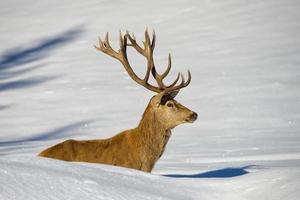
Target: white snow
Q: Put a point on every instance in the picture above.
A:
(244, 59)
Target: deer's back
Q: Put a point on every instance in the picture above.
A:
(119, 150)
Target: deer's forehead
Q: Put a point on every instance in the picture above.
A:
(160, 97)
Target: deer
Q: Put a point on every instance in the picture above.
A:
(141, 147)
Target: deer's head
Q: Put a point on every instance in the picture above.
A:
(167, 110)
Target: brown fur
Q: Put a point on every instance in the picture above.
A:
(137, 148)
(141, 147)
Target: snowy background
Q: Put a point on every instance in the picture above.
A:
(244, 57)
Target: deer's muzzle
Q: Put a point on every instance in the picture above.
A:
(193, 116)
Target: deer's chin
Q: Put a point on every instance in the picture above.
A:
(190, 120)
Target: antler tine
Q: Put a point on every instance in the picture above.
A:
(105, 47)
(183, 83)
(168, 67)
(121, 41)
(147, 42)
(107, 41)
(153, 40)
(182, 80)
(100, 44)
(134, 43)
(174, 83)
(159, 77)
(189, 78)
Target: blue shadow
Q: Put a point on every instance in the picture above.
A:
(220, 173)
(11, 85)
(23, 55)
(4, 107)
(12, 62)
(61, 132)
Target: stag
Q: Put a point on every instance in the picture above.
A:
(138, 148)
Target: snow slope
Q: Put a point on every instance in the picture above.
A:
(244, 59)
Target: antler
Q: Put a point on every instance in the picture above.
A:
(147, 52)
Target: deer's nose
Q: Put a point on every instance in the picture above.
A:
(194, 116)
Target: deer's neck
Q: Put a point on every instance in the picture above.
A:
(153, 135)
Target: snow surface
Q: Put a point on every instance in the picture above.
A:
(244, 59)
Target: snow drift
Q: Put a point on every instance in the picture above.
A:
(244, 59)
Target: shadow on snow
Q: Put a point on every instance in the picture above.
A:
(220, 173)
(15, 62)
(19, 56)
(61, 132)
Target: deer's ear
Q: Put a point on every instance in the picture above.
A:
(164, 97)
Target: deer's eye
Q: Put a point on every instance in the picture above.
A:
(169, 104)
